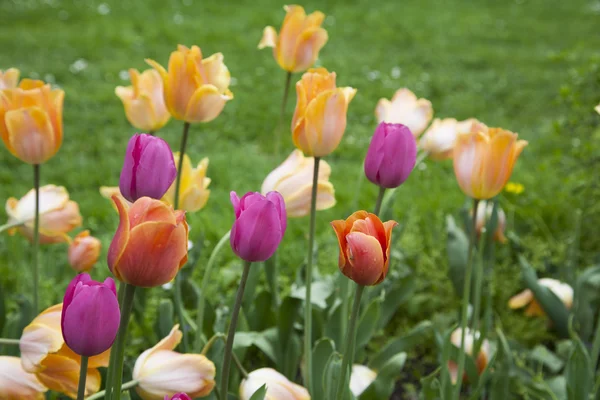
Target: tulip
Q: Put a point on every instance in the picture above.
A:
(597, 108)
(84, 251)
(278, 386)
(90, 315)
(196, 89)
(391, 156)
(300, 40)
(406, 109)
(144, 100)
(58, 214)
(150, 245)
(294, 181)
(438, 140)
(193, 192)
(364, 247)
(31, 119)
(178, 396)
(18, 384)
(162, 372)
(149, 168)
(484, 160)
(470, 338)
(9, 79)
(260, 223)
(360, 379)
(484, 214)
(562, 290)
(320, 117)
(45, 354)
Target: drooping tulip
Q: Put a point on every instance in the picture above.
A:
(195, 89)
(484, 214)
(162, 372)
(18, 384)
(360, 379)
(300, 39)
(84, 251)
(293, 180)
(438, 140)
(31, 119)
(148, 169)
(406, 109)
(193, 190)
(391, 156)
(526, 298)
(484, 160)
(260, 223)
(364, 247)
(320, 117)
(144, 100)
(178, 396)
(58, 214)
(9, 79)
(470, 339)
(278, 386)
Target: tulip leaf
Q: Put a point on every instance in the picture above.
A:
(401, 291)
(287, 314)
(260, 313)
(367, 324)
(383, 385)
(430, 387)
(251, 284)
(322, 351)
(402, 344)
(578, 372)
(165, 321)
(260, 393)
(500, 386)
(333, 324)
(332, 376)
(457, 247)
(587, 293)
(541, 355)
(320, 291)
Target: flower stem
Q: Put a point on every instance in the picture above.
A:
(286, 91)
(36, 235)
(478, 281)
(596, 347)
(212, 341)
(232, 326)
(350, 337)
(10, 225)
(119, 345)
(379, 200)
(308, 280)
(103, 393)
(110, 374)
(82, 378)
(13, 342)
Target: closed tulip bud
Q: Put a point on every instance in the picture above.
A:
(161, 371)
(320, 117)
(193, 190)
(260, 223)
(293, 180)
(470, 339)
(278, 386)
(195, 89)
(406, 109)
(364, 247)
(58, 214)
(526, 298)
(178, 396)
(484, 215)
(149, 168)
(9, 79)
(391, 156)
(300, 39)
(360, 379)
(438, 140)
(18, 384)
(31, 119)
(484, 160)
(84, 252)
(144, 100)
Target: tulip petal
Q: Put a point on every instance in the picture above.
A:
(9, 78)
(291, 29)
(30, 134)
(61, 374)
(215, 72)
(40, 337)
(521, 299)
(261, 218)
(205, 104)
(366, 259)
(119, 242)
(269, 38)
(277, 200)
(16, 383)
(310, 42)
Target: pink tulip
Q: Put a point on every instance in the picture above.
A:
(179, 396)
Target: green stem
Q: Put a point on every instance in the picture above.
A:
(151, 133)
(36, 235)
(82, 378)
(389, 197)
(120, 340)
(596, 346)
(379, 200)
(308, 280)
(13, 342)
(221, 336)
(478, 281)
(465, 304)
(232, 327)
(278, 132)
(110, 374)
(103, 393)
(350, 337)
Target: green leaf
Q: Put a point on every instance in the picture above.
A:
(383, 386)
(404, 343)
(542, 355)
(332, 376)
(578, 372)
(320, 291)
(260, 314)
(288, 313)
(164, 323)
(400, 292)
(500, 386)
(251, 284)
(368, 324)
(430, 387)
(260, 393)
(322, 351)
(457, 247)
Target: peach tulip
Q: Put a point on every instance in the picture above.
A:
(195, 89)
(18, 384)
(58, 214)
(293, 180)
(9, 79)
(31, 120)
(320, 117)
(360, 379)
(278, 386)
(482, 358)
(45, 354)
(193, 191)
(405, 109)
(300, 39)
(526, 298)
(84, 251)
(484, 214)
(162, 372)
(144, 100)
(438, 140)
(484, 160)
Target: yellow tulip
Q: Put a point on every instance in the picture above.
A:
(193, 192)
(562, 290)
(18, 384)
(438, 140)
(195, 89)
(405, 109)
(300, 39)
(31, 120)
(320, 117)
(484, 160)
(144, 100)
(9, 78)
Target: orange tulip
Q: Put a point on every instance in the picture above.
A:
(31, 120)
(526, 298)
(84, 252)
(470, 339)
(150, 245)
(195, 89)
(320, 117)
(300, 40)
(364, 247)
(484, 215)
(9, 78)
(144, 100)
(484, 160)
(18, 384)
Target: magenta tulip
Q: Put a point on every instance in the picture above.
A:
(260, 223)
(391, 156)
(149, 168)
(90, 315)
(179, 396)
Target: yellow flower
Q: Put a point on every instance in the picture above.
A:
(300, 40)
(9, 78)
(515, 188)
(562, 290)
(18, 384)
(195, 89)
(193, 192)
(405, 109)
(144, 100)
(438, 140)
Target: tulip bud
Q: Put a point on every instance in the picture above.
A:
(178, 396)
(484, 214)
(18, 384)
(470, 339)
(526, 298)
(406, 109)
(278, 386)
(260, 222)
(193, 190)
(84, 252)
(360, 379)
(391, 156)
(9, 79)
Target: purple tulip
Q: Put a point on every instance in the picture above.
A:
(260, 223)
(90, 315)
(391, 156)
(179, 396)
(149, 168)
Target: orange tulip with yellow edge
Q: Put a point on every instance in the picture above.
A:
(300, 39)
(193, 190)
(84, 251)
(9, 79)
(195, 89)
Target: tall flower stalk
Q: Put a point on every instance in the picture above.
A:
(119, 345)
(82, 378)
(36, 236)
